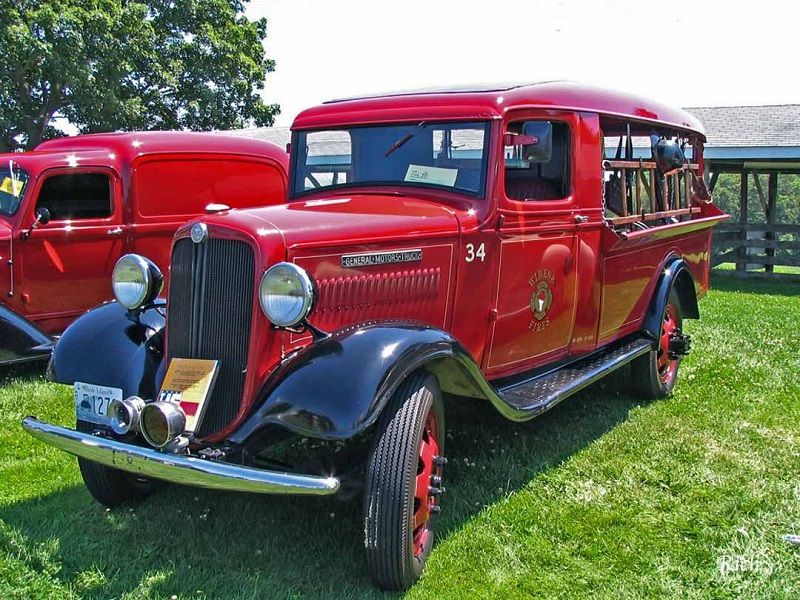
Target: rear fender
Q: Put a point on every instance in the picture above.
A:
(106, 346)
(22, 341)
(675, 274)
(337, 388)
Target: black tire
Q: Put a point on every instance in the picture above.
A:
(396, 554)
(112, 487)
(654, 375)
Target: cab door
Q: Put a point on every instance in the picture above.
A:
(67, 262)
(538, 241)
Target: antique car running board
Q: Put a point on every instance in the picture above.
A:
(541, 393)
(177, 468)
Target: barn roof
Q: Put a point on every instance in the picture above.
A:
(741, 126)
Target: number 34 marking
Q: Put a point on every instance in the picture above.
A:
(472, 253)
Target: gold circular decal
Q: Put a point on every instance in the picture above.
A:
(541, 299)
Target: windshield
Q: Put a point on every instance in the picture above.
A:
(449, 156)
(13, 180)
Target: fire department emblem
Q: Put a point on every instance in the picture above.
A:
(541, 298)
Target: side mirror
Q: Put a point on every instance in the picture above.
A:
(42, 217)
(536, 140)
(541, 147)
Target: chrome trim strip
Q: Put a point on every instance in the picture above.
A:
(180, 469)
(368, 259)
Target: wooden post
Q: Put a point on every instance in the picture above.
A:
(638, 171)
(713, 183)
(772, 198)
(624, 191)
(741, 262)
(687, 183)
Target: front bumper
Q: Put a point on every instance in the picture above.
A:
(176, 468)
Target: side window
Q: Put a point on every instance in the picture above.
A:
(537, 160)
(76, 196)
(329, 159)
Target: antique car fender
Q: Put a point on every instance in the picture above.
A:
(110, 347)
(22, 341)
(675, 274)
(337, 387)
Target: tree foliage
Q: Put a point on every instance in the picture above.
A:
(787, 203)
(129, 64)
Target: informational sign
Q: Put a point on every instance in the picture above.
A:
(188, 383)
(431, 175)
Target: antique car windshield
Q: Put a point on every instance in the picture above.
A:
(450, 155)
(13, 180)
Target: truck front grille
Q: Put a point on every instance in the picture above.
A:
(209, 314)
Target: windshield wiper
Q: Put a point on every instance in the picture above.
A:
(398, 143)
(402, 140)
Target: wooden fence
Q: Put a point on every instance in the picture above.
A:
(756, 246)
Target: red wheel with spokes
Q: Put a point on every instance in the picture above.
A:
(654, 374)
(668, 365)
(403, 485)
(428, 488)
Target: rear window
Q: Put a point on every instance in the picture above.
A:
(184, 187)
(76, 196)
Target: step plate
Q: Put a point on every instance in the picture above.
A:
(545, 391)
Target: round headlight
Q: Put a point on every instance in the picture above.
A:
(123, 415)
(162, 422)
(136, 281)
(286, 294)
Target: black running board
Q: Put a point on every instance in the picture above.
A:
(529, 398)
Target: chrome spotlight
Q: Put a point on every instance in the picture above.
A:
(124, 415)
(161, 423)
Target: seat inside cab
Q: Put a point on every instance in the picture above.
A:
(537, 160)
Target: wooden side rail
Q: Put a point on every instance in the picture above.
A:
(654, 216)
(675, 193)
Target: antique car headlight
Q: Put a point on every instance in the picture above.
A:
(161, 423)
(124, 415)
(286, 294)
(136, 281)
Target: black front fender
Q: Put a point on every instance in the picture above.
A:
(336, 388)
(21, 340)
(676, 274)
(108, 347)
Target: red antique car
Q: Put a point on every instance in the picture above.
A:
(512, 244)
(72, 207)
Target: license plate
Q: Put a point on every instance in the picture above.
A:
(91, 401)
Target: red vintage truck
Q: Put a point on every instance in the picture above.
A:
(512, 244)
(73, 206)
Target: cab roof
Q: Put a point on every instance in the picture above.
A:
(129, 145)
(493, 101)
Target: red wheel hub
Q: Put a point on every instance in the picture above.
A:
(428, 484)
(667, 367)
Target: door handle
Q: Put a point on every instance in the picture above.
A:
(581, 218)
(114, 231)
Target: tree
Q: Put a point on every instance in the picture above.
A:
(129, 64)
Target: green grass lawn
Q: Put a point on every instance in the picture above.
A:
(605, 496)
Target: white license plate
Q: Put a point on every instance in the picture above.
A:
(91, 401)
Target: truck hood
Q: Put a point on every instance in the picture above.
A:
(5, 230)
(351, 220)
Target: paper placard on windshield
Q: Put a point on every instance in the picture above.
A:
(189, 382)
(431, 175)
(12, 187)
